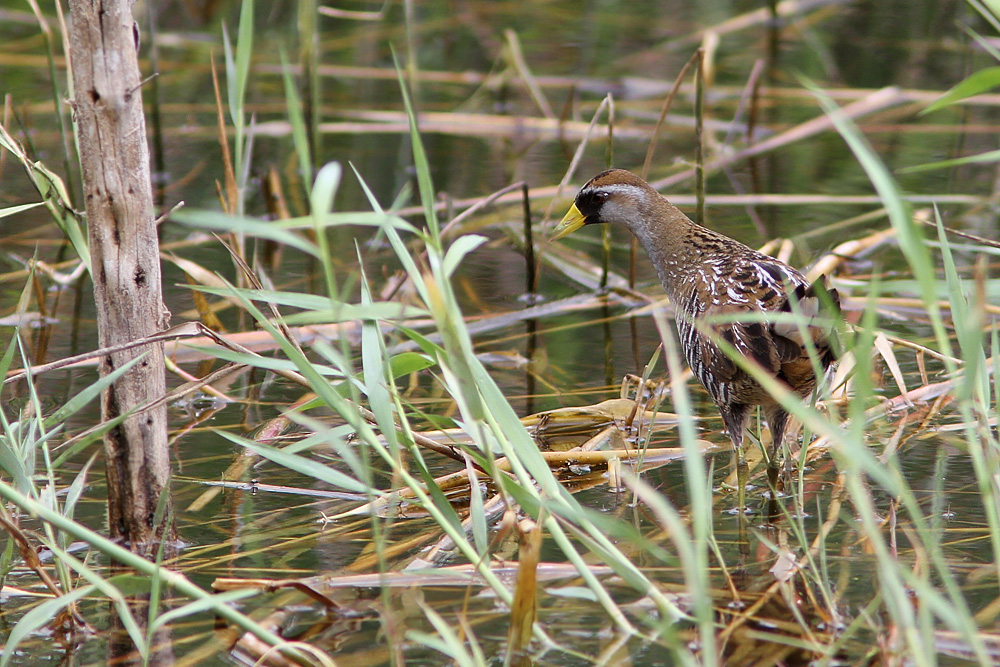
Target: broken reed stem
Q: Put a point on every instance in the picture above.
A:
(650, 150)
(699, 128)
(530, 82)
(663, 116)
(749, 100)
(606, 229)
(529, 244)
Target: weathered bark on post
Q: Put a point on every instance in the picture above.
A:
(124, 256)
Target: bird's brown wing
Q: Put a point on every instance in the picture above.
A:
(738, 312)
(782, 357)
(774, 287)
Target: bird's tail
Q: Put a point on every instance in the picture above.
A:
(819, 307)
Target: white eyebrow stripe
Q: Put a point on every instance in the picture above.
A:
(613, 188)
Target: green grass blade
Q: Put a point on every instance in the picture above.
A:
(322, 308)
(321, 198)
(457, 251)
(981, 158)
(14, 210)
(201, 606)
(375, 379)
(83, 398)
(975, 84)
(424, 181)
(223, 222)
(300, 135)
(300, 464)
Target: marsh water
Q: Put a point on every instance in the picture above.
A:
(474, 68)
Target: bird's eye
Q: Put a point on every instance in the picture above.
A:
(598, 198)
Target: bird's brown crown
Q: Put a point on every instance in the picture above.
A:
(617, 177)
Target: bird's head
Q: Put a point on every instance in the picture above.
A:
(616, 196)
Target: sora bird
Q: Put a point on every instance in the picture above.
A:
(721, 290)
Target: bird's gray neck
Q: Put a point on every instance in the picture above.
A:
(664, 237)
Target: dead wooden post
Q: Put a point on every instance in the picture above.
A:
(125, 263)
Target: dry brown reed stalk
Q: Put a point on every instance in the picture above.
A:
(575, 161)
(523, 71)
(229, 192)
(652, 458)
(785, 9)
(829, 262)
(525, 605)
(352, 14)
(749, 103)
(667, 102)
(450, 575)
(785, 249)
(619, 411)
(460, 124)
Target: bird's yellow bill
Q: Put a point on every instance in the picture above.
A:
(572, 221)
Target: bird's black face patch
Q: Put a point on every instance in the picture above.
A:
(589, 202)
